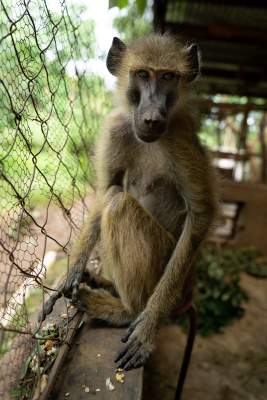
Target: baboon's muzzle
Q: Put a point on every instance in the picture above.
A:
(152, 122)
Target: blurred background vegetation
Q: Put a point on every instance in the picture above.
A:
(53, 104)
(56, 106)
(55, 94)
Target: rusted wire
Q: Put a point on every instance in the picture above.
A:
(51, 107)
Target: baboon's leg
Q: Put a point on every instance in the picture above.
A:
(135, 250)
(101, 304)
(98, 282)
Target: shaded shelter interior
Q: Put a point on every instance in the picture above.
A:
(232, 36)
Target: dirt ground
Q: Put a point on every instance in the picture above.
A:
(228, 366)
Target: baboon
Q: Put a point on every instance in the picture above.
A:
(155, 196)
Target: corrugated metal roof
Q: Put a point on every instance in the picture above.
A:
(232, 35)
(212, 12)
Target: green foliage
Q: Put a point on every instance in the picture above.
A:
(219, 296)
(39, 362)
(47, 150)
(6, 343)
(140, 5)
(220, 129)
(118, 3)
(131, 26)
(207, 132)
(20, 393)
(251, 261)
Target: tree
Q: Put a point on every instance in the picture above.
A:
(136, 22)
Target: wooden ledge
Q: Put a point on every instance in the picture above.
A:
(90, 362)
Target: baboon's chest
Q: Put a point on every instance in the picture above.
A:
(148, 180)
(147, 172)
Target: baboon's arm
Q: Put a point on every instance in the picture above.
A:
(109, 181)
(111, 155)
(81, 252)
(199, 199)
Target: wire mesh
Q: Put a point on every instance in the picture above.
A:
(51, 108)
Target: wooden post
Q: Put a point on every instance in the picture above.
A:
(242, 144)
(159, 14)
(219, 131)
(263, 125)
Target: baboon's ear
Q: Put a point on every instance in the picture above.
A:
(193, 57)
(114, 55)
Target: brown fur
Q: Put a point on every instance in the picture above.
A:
(135, 247)
(155, 204)
(151, 53)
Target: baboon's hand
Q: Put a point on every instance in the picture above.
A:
(49, 305)
(140, 338)
(69, 287)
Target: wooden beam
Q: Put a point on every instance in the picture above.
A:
(235, 3)
(223, 86)
(219, 32)
(228, 52)
(233, 107)
(233, 156)
(256, 76)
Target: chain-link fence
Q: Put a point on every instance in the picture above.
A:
(51, 107)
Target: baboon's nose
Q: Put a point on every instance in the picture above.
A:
(154, 125)
(151, 123)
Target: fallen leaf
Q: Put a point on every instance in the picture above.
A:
(120, 377)
(109, 385)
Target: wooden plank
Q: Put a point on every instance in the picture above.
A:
(64, 349)
(90, 362)
(244, 192)
(232, 156)
(251, 229)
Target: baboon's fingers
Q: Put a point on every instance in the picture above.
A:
(49, 305)
(69, 288)
(134, 355)
(74, 295)
(124, 355)
(132, 327)
(135, 362)
(130, 330)
(75, 287)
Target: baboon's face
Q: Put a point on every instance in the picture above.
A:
(152, 95)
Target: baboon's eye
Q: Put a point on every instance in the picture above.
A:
(168, 76)
(143, 74)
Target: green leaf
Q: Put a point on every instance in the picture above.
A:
(25, 366)
(118, 3)
(141, 6)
